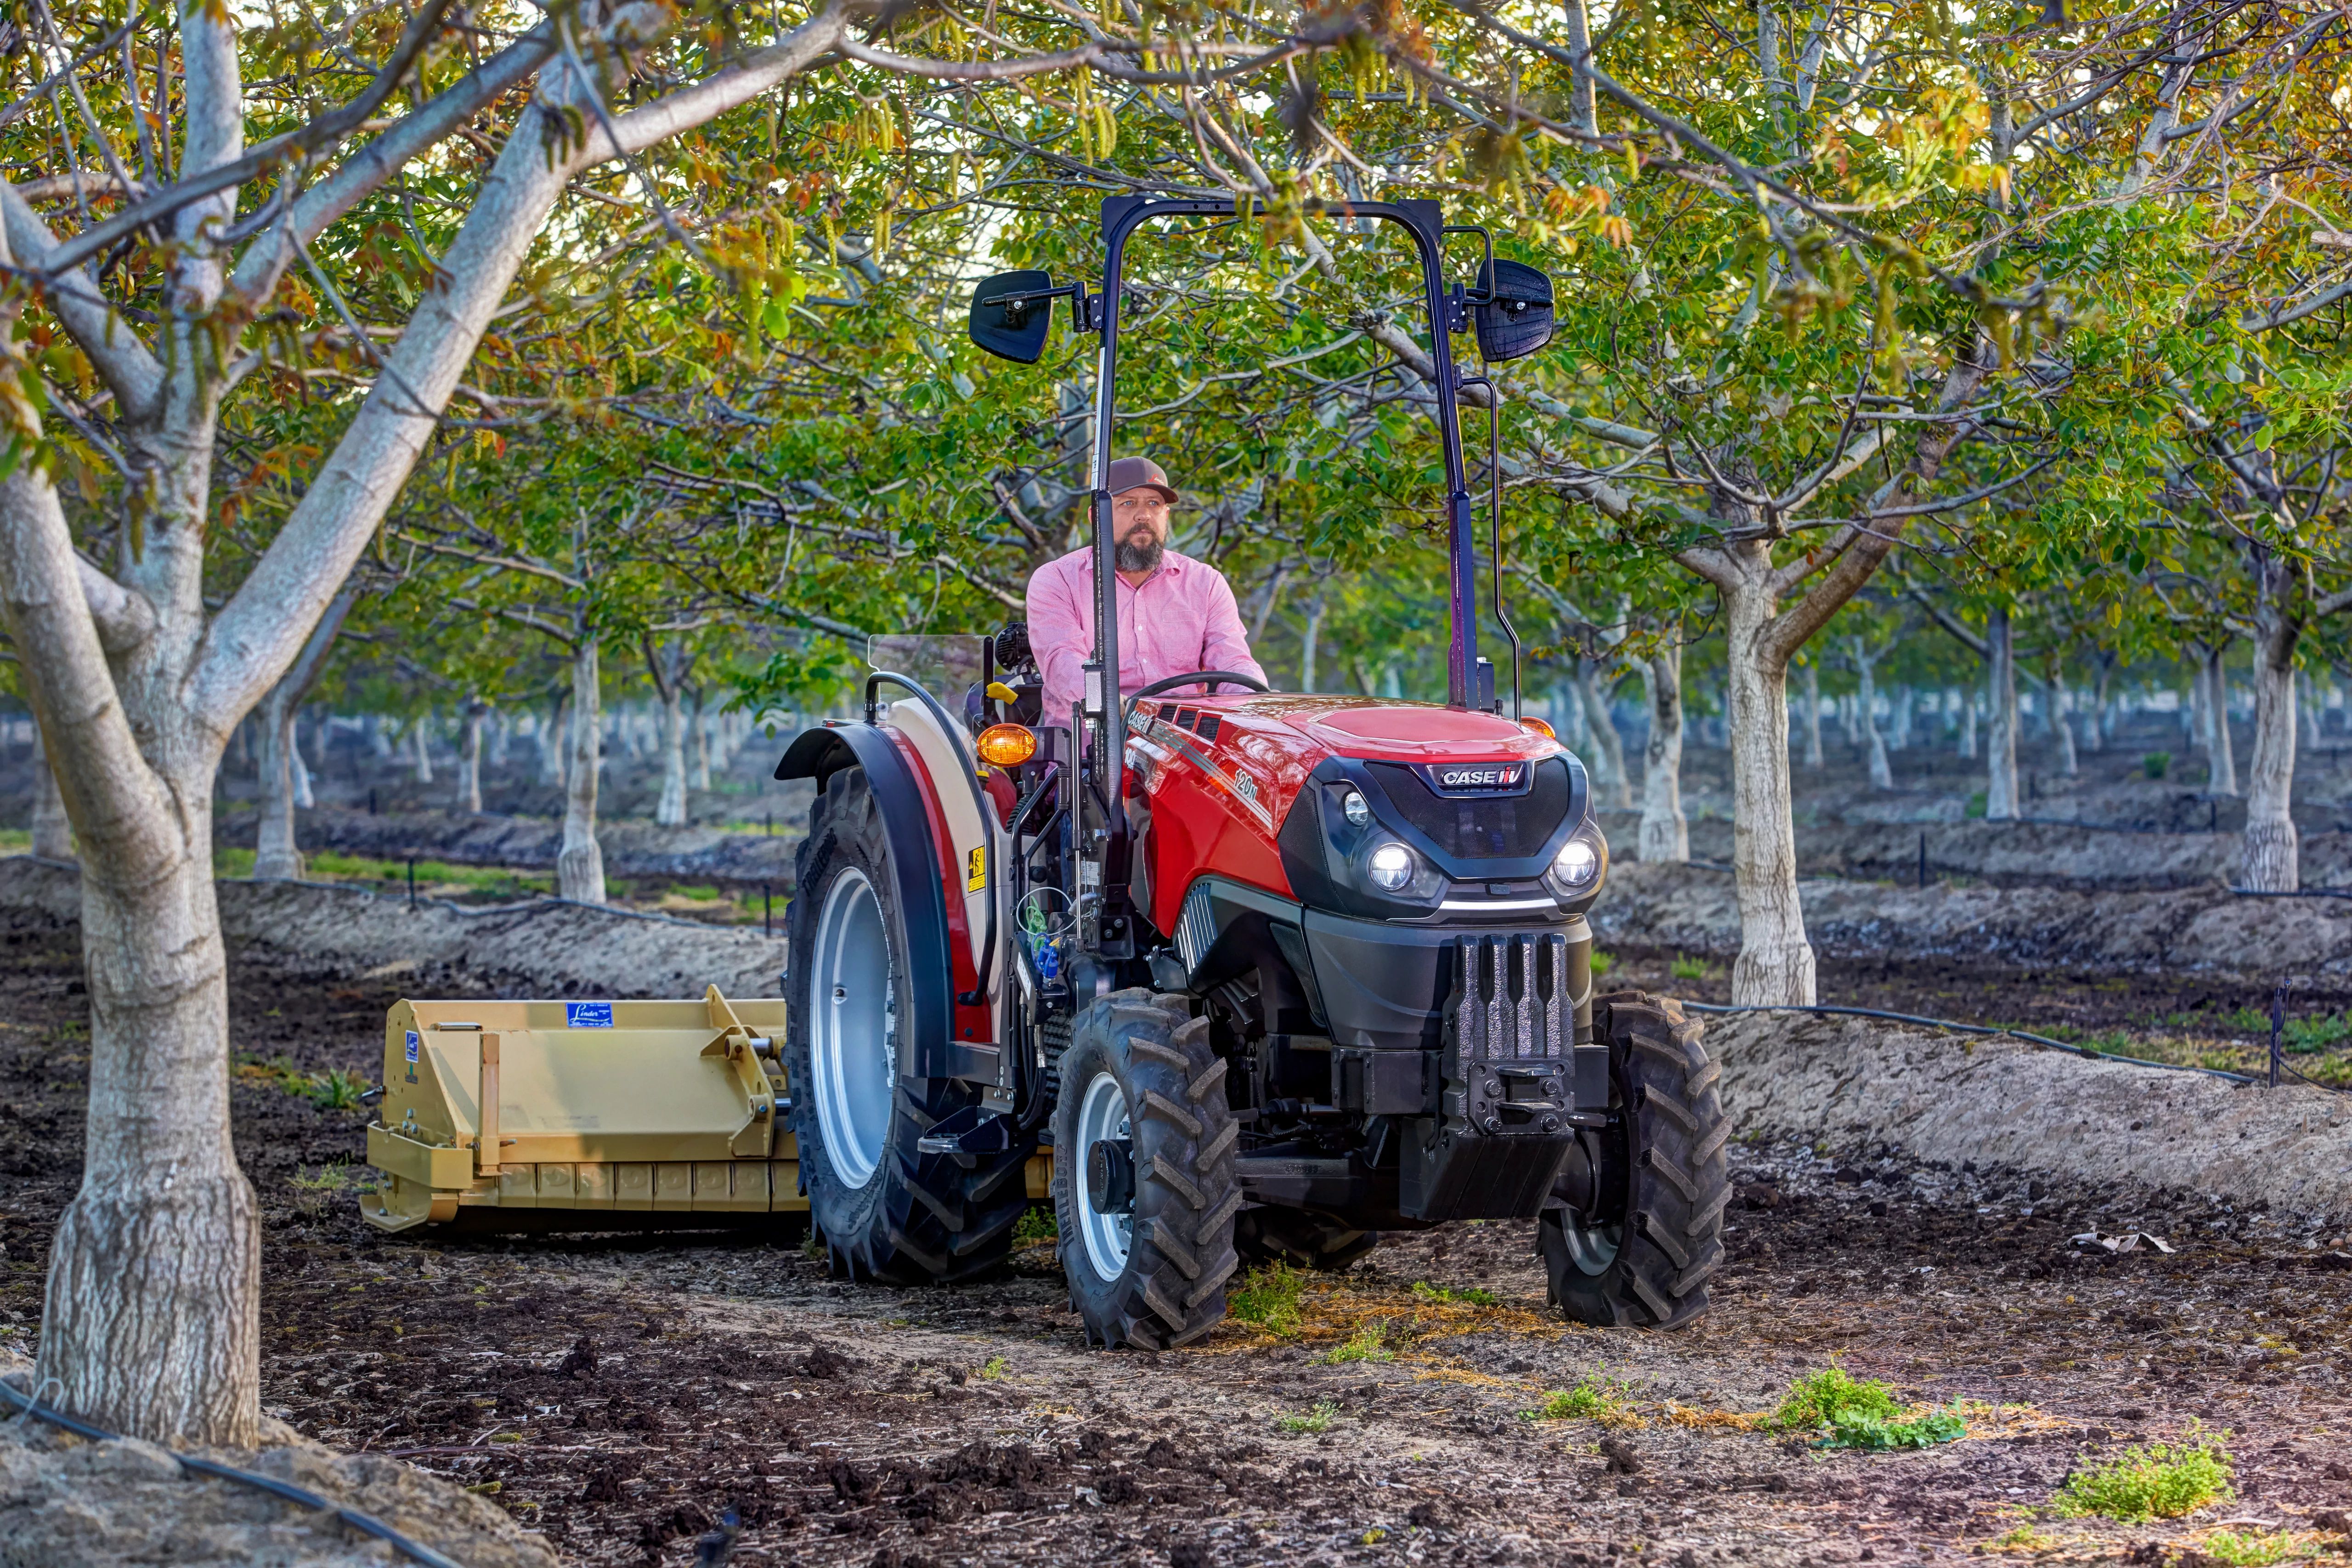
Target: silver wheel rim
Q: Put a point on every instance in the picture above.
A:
(1592, 1249)
(1102, 1115)
(853, 1029)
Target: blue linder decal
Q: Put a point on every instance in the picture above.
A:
(587, 1014)
(413, 1045)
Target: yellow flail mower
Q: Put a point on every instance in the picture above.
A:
(524, 1116)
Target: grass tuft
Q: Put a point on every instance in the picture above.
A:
(1423, 1291)
(1823, 1398)
(1687, 968)
(1367, 1343)
(1036, 1224)
(1603, 962)
(2153, 1480)
(1607, 1400)
(1877, 1434)
(1317, 1420)
(2257, 1550)
(1269, 1296)
(994, 1367)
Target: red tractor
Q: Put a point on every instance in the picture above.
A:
(1340, 984)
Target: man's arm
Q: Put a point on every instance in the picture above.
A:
(1058, 639)
(1223, 643)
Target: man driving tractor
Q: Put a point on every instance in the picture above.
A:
(1175, 613)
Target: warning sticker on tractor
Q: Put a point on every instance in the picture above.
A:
(413, 1044)
(587, 1014)
(976, 875)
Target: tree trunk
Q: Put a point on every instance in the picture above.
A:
(580, 864)
(1309, 649)
(671, 811)
(1865, 708)
(1665, 833)
(379, 743)
(1898, 730)
(701, 777)
(2220, 753)
(2307, 700)
(2000, 752)
(2271, 857)
(470, 761)
(276, 855)
(1775, 967)
(1616, 792)
(2094, 733)
(52, 829)
(2062, 724)
(1968, 725)
(299, 769)
(551, 742)
(423, 748)
(1813, 712)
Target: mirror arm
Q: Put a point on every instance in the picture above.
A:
(1469, 297)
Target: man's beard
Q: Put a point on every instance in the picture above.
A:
(1133, 557)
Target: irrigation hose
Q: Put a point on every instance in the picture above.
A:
(365, 1523)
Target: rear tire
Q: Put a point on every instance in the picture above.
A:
(887, 1210)
(1635, 1245)
(1303, 1239)
(1149, 1273)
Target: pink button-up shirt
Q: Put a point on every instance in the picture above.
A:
(1183, 618)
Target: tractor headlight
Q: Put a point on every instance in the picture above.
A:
(1576, 870)
(1355, 809)
(1390, 867)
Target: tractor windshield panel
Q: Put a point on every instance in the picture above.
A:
(1253, 371)
(946, 666)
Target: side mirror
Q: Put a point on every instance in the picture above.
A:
(1015, 328)
(1515, 318)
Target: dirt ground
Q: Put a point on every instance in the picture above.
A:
(619, 1394)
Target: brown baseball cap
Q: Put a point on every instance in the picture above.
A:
(1134, 473)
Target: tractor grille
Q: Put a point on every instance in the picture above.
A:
(1480, 827)
(1196, 927)
(1513, 1002)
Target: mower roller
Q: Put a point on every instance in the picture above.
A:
(1234, 976)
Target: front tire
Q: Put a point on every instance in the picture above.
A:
(1146, 1219)
(887, 1210)
(1636, 1229)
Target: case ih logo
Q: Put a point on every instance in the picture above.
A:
(1477, 775)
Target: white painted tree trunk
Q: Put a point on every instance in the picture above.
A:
(469, 759)
(1615, 790)
(2000, 750)
(1968, 725)
(502, 734)
(1307, 651)
(298, 768)
(2221, 752)
(580, 864)
(421, 748)
(2306, 696)
(1665, 833)
(701, 777)
(1865, 708)
(284, 787)
(552, 748)
(52, 829)
(2270, 856)
(379, 738)
(2062, 724)
(670, 810)
(1813, 712)
(1898, 730)
(1775, 967)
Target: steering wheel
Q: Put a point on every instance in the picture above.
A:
(1210, 678)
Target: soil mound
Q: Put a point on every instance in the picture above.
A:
(64, 1500)
(1952, 1100)
(545, 948)
(2203, 930)
(632, 848)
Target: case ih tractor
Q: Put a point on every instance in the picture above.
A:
(1340, 985)
(1236, 976)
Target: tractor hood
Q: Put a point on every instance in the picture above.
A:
(1369, 728)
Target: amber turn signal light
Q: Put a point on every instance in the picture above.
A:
(1007, 745)
(1541, 728)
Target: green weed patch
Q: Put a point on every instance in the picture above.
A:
(2153, 1480)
